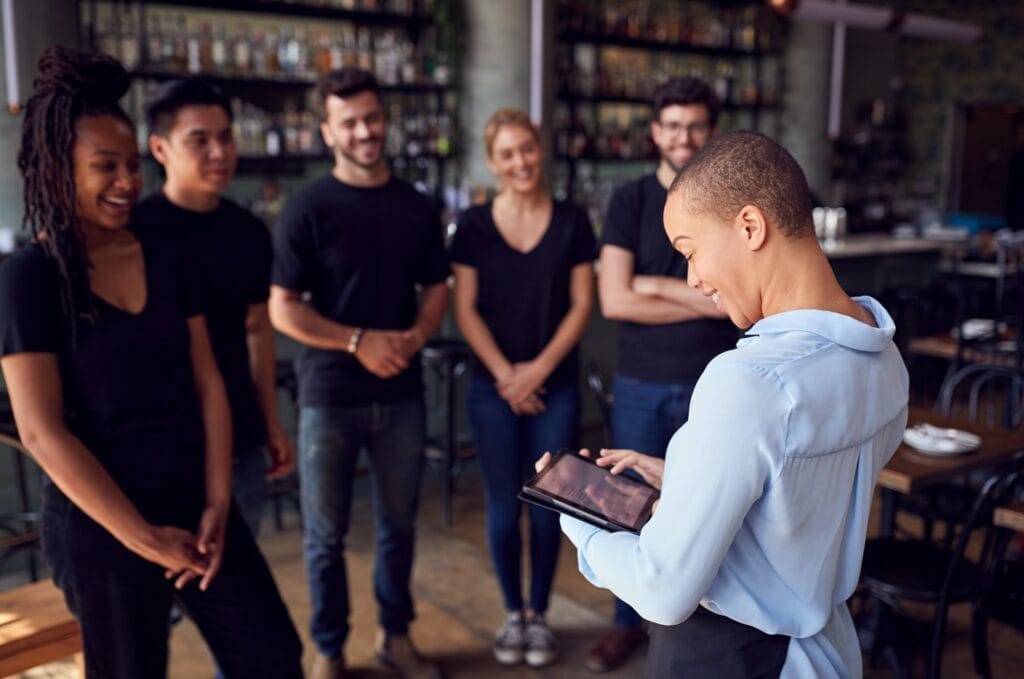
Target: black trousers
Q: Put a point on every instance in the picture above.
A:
(711, 645)
(122, 601)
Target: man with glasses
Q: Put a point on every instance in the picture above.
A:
(669, 331)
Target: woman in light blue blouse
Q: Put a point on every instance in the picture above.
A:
(756, 545)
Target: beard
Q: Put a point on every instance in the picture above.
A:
(676, 168)
(344, 152)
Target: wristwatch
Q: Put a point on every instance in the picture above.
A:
(353, 340)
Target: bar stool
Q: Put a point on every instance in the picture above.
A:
(19, 530)
(448, 359)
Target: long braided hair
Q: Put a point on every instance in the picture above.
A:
(71, 85)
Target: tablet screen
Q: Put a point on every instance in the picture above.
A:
(582, 483)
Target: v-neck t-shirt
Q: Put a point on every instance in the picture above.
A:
(127, 380)
(523, 296)
(230, 252)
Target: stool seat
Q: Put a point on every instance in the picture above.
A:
(444, 348)
(35, 628)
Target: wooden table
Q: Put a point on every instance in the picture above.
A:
(910, 471)
(1010, 517)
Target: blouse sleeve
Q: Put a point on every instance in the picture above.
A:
(718, 465)
(29, 304)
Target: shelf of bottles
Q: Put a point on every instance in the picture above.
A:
(610, 56)
(266, 56)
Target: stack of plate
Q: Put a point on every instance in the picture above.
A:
(933, 440)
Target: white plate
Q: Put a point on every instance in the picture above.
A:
(927, 438)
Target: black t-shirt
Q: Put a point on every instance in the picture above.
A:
(523, 297)
(230, 251)
(360, 253)
(675, 353)
(127, 382)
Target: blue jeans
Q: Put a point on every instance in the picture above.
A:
(330, 440)
(644, 418)
(507, 446)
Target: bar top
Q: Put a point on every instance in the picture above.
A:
(874, 244)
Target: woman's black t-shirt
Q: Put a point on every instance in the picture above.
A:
(523, 297)
(127, 382)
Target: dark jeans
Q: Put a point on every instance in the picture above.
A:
(507, 447)
(249, 485)
(330, 440)
(123, 601)
(644, 418)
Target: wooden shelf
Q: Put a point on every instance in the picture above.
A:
(227, 81)
(570, 97)
(296, 9)
(659, 46)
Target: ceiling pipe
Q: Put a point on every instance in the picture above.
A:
(878, 19)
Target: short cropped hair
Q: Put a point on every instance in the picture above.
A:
(344, 82)
(747, 168)
(507, 117)
(165, 101)
(688, 91)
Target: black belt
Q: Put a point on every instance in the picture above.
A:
(711, 645)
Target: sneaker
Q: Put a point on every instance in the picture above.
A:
(614, 648)
(397, 652)
(325, 667)
(541, 644)
(509, 641)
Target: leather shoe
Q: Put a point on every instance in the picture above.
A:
(614, 648)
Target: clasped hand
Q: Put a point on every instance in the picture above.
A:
(184, 555)
(386, 353)
(522, 387)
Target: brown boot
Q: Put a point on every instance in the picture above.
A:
(398, 653)
(328, 668)
(614, 648)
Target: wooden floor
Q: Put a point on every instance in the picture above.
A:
(459, 606)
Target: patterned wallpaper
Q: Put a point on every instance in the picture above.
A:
(989, 71)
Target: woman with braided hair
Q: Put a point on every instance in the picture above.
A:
(116, 394)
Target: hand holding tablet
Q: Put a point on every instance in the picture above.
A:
(575, 484)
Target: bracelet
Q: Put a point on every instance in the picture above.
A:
(353, 340)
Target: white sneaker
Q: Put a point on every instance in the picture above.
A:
(509, 642)
(541, 644)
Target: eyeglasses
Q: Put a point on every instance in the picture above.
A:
(699, 129)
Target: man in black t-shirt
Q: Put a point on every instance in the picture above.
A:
(353, 250)
(669, 331)
(190, 136)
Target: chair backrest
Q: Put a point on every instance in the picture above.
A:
(19, 531)
(604, 398)
(1000, 489)
(996, 390)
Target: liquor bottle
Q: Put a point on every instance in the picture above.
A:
(260, 54)
(241, 51)
(193, 53)
(180, 63)
(129, 42)
(154, 38)
(205, 49)
(219, 49)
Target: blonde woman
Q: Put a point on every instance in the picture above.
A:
(523, 294)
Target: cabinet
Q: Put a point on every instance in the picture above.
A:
(266, 56)
(611, 54)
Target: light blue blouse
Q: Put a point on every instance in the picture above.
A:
(767, 488)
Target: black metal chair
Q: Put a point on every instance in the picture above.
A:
(448, 358)
(603, 397)
(285, 489)
(896, 571)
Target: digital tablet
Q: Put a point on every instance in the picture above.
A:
(575, 485)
